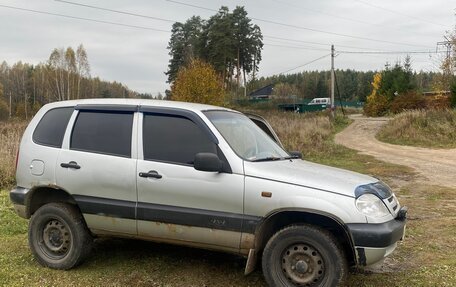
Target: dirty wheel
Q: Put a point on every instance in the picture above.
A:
(303, 255)
(58, 236)
(56, 239)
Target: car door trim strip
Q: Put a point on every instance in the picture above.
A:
(168, 214)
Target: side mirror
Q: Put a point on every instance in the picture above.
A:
(205, 161)
(297, 154)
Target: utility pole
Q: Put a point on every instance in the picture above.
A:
(332, 81)
(447, 44)
(447, 65)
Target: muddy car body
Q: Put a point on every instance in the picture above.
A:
(195, 175)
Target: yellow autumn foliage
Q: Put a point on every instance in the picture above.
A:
(376, 104)
(198, 83)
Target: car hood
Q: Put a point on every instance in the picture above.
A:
(308, 174)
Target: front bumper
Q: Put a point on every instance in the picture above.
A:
(373, 242)
(18, 196)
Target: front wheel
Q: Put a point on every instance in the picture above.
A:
(58, 236)
(303, 255)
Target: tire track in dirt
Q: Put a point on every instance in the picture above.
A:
(436, 166)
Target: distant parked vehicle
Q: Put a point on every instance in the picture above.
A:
(320, 101)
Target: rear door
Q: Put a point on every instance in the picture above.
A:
(97, 166)
(181, 203)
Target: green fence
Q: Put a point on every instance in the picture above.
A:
(301, 106)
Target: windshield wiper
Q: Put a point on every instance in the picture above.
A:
(269, 158)
(291, 157)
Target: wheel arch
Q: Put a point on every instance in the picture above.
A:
(281, 218)
(43, 194)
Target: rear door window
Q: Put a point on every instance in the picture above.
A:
(103, 132)
(52, 126)
(174, 139)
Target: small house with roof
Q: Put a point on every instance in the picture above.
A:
(262, 93)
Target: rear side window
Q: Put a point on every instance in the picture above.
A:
(51, 128)
(174, 139)
(103, 132)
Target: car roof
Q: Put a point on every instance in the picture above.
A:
(137, 102)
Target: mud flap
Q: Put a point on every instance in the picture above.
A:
(251, 262)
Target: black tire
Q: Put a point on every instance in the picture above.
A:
(58, 236)
(303, 255)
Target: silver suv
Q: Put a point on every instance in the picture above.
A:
(195, 175)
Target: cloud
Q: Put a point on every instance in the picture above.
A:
(139, 58)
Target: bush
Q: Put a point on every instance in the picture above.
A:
(453, 95)
(198, 83)
(4, 110)
(408, 101)
(439, 102)
(376, 105)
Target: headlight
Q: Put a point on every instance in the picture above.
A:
(370, 205)
(378, 188)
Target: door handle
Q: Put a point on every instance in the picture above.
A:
(152, 173)
(71, 164)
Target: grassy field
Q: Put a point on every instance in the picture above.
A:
(10, 135)
(426, 258)
(422, 128)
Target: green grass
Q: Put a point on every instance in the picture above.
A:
(422, 128)
(123, 262)
(116, 262)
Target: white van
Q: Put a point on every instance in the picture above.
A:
(320, 101)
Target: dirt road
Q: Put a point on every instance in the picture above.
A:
(436, 166)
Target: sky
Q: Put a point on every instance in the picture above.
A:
(295, 33)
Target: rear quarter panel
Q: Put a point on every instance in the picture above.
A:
(30, 151)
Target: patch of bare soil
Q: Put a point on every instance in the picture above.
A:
(436, 166)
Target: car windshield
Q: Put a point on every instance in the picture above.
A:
(246, 139)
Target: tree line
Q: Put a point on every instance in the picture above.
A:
(24, 87)
(353, 85)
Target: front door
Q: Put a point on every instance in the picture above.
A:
(176, 202)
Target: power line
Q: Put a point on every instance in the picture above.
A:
(116, 11)
(318, 43)
(325, 13)
(308, 63)
(169, 20)
(84, 19)
(400, 13)
(192, 5)
(136, 26)
(305, 28)
(296, 47)
(388, 52)
(376, 52)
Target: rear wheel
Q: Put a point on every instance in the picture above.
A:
(303, 255)
(58, 236)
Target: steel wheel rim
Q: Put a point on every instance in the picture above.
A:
(302, 264)
(55, 239)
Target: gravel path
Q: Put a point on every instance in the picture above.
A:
(437, 166)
